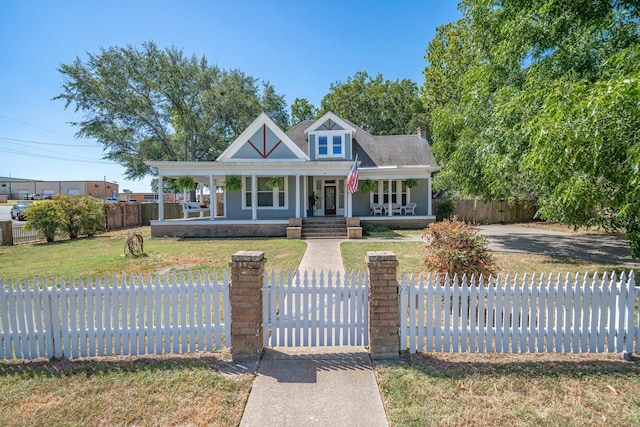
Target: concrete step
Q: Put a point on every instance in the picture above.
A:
(324, 229)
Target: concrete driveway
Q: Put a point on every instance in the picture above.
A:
(597, 247)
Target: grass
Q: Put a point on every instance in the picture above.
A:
(177, 390)
(410, 255)
(104, 255)
(516, 390)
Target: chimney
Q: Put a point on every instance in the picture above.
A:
(422, 132)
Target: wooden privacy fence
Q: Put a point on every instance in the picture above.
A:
(493, 212)
(519, 315)
(315, 310)
(127, 315)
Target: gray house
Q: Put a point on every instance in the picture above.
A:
(269, 180)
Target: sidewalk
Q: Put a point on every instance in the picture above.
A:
(318, 386)
(321, 386)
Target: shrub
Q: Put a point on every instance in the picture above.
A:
(85, 215)
(47, 218)
(454, 247)
(444, 208)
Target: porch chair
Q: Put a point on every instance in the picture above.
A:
(396, 209)
(376, 210)
(410, 208)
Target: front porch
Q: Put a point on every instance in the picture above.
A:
(273, 227)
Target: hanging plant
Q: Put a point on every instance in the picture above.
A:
(367, 186)
(276, 181)
(410, 182)
(233, 183)
(186, 183)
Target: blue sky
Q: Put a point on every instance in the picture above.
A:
(301, 47)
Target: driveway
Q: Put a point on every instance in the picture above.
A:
(597, 247)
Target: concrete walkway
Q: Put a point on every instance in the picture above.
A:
(319, 386)
(322, 254)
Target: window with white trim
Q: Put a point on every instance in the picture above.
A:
(268, 198)
(330, 144)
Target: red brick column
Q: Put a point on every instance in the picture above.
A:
(384, 340)
(247, 276)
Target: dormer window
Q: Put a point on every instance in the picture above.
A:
(330, 144)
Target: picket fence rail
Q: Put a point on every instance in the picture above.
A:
(316, 309)
(123, 315)
(520, 314)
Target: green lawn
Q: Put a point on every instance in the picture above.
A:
(104, 255)
(445, 389)
(410, 255)
(155, 391)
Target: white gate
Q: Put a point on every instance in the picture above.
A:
(317, 309)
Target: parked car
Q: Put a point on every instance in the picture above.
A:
(17, 211)
(111, 200)
(37, 197)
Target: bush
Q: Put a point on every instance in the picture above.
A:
(371, 228)
(85, 215)
(444, 208)
(47, 218)
(454, 247)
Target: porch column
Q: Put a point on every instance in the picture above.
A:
(160, 199)
(390, 190)
(348, 200)
(212, 197)
(297, 196)
(429, 197)
(254, 197)
(305, 196)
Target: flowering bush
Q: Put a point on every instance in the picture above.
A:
(454, 247)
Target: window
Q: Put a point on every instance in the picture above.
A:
(268, 198)
(323, 145)
(402, 197)
(330, 144)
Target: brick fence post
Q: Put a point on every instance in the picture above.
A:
(384, 341)
(247, 276)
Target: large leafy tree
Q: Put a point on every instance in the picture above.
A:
(538, 99)
(302, 109)
(381, 107)
(153, 104)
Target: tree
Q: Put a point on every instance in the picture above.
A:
(381, 107)
(535, 100)
(153, 104)
(585, 149)
(302, 109)
(84, 215)
(47, 218)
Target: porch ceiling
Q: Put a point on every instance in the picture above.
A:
(202, 170)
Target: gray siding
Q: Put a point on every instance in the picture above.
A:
(264, 141)
(312, 147)
(235, 211)
(361, 204)
(330, 126)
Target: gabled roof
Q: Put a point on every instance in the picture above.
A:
(376, 151)
(333, 121)
(262, 140)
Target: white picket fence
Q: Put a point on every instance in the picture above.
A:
(127, 315)
(316, 309)
(520, 314)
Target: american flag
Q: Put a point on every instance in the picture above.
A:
(352, 179)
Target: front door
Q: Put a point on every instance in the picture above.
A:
(330, 200)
